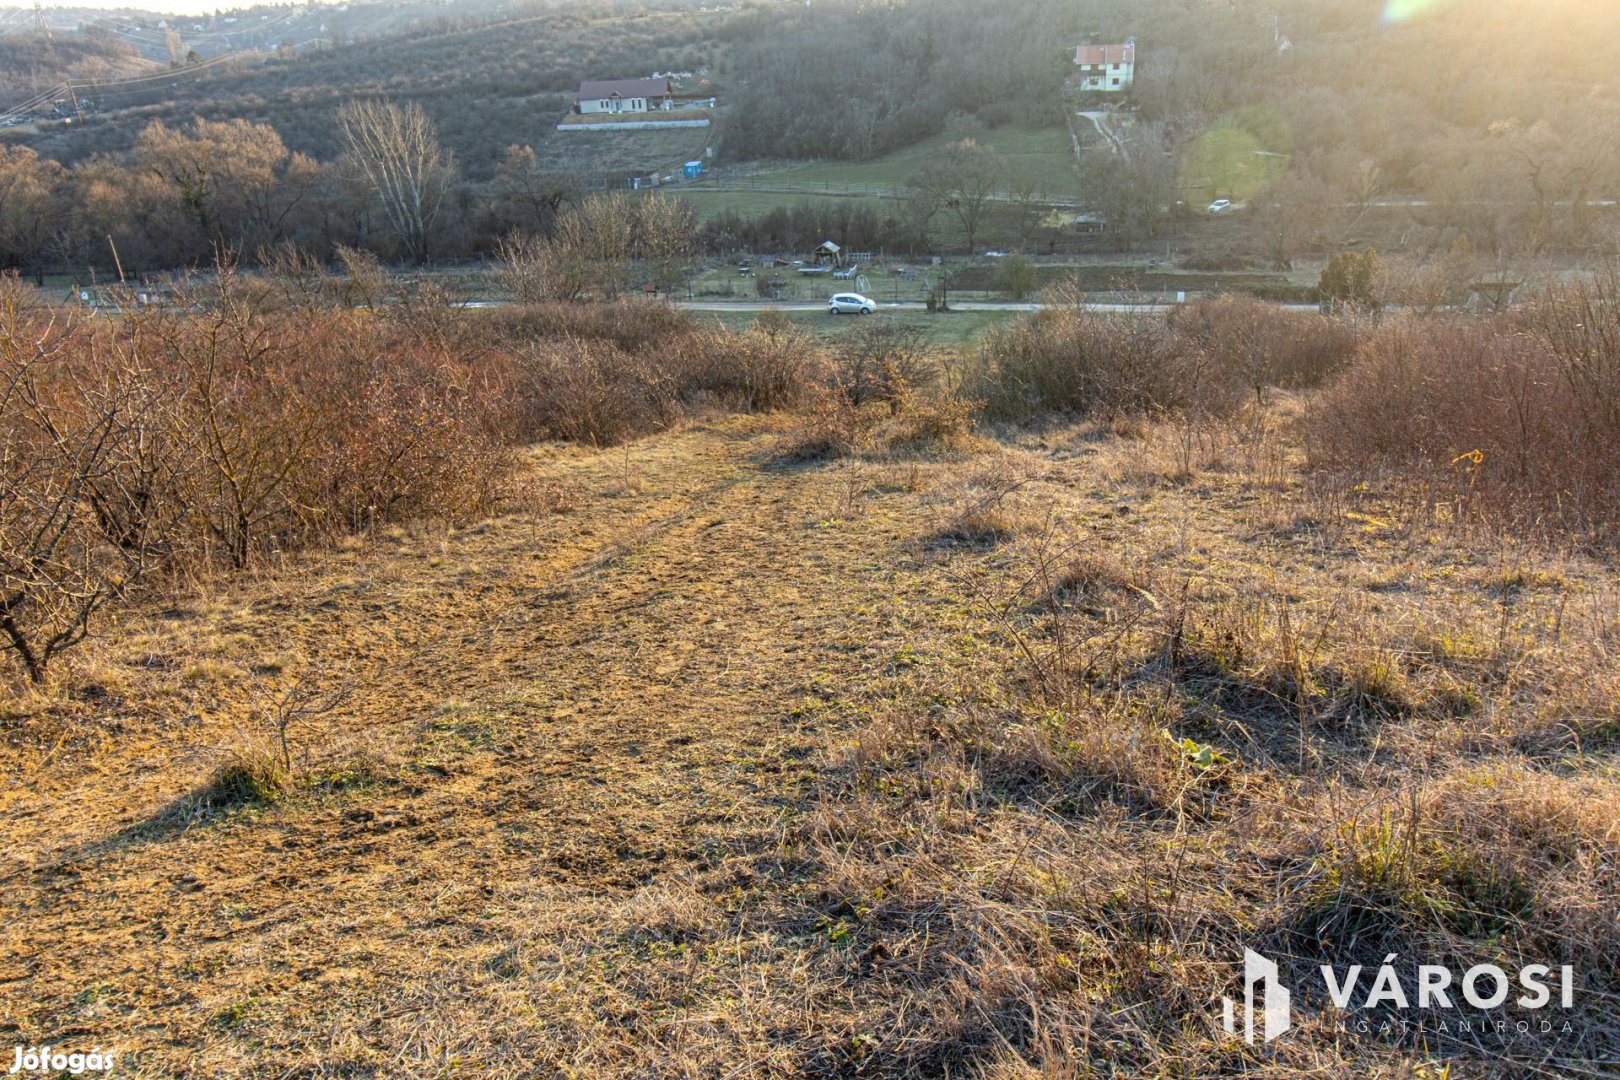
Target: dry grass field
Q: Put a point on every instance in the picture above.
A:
(716, 763)
(835, 738)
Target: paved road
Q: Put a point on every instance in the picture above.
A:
(956, 305)
(1103, 122)
(821, 305)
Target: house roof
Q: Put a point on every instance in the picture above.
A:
(630, 88)
(1105, 54)
(828, 245)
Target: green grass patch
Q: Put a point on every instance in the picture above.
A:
(1043, 157)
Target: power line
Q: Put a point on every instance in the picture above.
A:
(69, 89)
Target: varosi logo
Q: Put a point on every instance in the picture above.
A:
(1482, 987)
(1274, 1000)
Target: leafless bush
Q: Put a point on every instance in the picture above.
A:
(526, 268)
(771, 365)
(592, 391)
(298, 279)
(632, 325)
(86, 485)
(600, 248)
(1509, 421)
(881, 361)
(365, 282)
(1065, 359)
(1261, 344)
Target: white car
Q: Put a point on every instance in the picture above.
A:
(850, 303)
(1220, 206)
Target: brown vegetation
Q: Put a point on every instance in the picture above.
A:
(181, 440)
(826, 743)
(1513, 422)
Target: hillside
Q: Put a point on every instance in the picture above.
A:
(1322, 127)
(486, 83)
(29, 66)
(729, 765)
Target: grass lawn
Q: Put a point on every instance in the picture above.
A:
(624, 152)
(1043, 156)
(997, 230)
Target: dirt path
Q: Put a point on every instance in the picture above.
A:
(576, 711)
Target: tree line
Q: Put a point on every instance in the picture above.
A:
(192, 194)
(1319, 117)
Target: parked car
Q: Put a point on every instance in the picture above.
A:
(850, 303)
(1220, 206)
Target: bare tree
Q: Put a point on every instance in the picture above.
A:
(1027, 211)
(1295, 214)
(525, 197)
(397, 151)
(225, 173)
(526, 268)
(28, 206)
(665, 239)
(962, 178)
(1131, 192)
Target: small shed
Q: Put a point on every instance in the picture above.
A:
(692, 170)
(829, 253)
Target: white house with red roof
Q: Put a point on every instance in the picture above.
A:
(1108, 68)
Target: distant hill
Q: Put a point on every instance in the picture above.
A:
(1499, 129)
(260, 27)
(487, 83)
(30, 65)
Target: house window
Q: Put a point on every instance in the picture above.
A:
(1116, 82)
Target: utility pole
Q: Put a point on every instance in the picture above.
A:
(119, 263)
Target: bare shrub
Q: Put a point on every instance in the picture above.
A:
(632, 325)
(1504, 422)
(526, 268)
(364, 282)
(1065, 359)
(421, 436)
(831, 427)
(881, 361)
(592, 391)
(771, 365)
(1261, 344)
(86, 483)
(654, 357)
(600, 247)
(835, 427)
(298, 279)
(261, 430)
